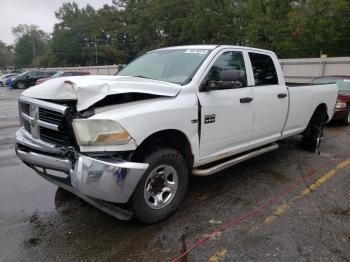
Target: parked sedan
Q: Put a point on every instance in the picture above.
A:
(61, 74)
(29, 78)
(4, 78)
(342, 109)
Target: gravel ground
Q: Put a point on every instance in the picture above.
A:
(39, 222)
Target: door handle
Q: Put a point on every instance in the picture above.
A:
(282, 95)
(246, 100)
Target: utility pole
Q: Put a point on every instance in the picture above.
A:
(33, 43)
(95, 50)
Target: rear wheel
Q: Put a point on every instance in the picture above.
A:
(162, 187)
(346, 120)
(21, 85)
(314, 131)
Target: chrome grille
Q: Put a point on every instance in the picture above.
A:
(26, 125)
(25, 108)
(51, 116)
(45, 121)
(55, 137)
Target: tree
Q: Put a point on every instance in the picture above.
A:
(6, 55)
(119, 32)
(31, 43)
(76, 37)
(322, 26)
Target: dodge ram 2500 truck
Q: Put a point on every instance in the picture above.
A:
(128, 143)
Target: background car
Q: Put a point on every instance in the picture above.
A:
(29, 78)
(62, 74)
(342, 109)
(4, 78)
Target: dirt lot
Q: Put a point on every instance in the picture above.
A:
(39, 222)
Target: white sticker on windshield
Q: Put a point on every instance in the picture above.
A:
(196, 51)
(346, 80)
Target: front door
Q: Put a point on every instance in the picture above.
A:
(227, 112)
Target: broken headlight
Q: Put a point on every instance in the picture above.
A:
(99, 132)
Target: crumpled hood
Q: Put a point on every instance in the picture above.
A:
(88, 90)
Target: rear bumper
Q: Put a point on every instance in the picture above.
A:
(340, 114)
(102, 178)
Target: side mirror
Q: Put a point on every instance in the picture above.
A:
(120, 68)
(227, 79)
(233, 76)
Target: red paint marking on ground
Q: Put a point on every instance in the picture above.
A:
(259, 209)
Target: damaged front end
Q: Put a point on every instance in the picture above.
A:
(45, 143)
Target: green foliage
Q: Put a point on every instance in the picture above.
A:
(6, 55)
(31, 44)
(121, 31)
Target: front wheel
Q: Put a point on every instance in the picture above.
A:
(162, 187)
(21, 85)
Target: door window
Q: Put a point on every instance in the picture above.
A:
(33, 74)
(228, 71)
(264, 69)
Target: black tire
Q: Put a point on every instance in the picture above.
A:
(21, 85)
(346, 120)
(314, 131)
(158, 159)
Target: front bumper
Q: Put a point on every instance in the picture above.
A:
(102, 178)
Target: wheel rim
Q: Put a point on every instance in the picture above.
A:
(318, 141)
(161, 186)
(20, 85)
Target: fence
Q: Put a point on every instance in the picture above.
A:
(304, 70)
(94, 70)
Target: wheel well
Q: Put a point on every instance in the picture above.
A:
(321, 112)
(167, 138)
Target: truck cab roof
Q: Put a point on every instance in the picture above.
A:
(212, 47)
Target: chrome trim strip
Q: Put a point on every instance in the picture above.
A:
(44, 104)
(47, 125)
(45, 161)
(26, 117)
(25, 139)
(232, 162)
(39, 122)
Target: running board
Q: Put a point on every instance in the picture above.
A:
(215, 169)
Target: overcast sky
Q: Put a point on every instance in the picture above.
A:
(37, 12)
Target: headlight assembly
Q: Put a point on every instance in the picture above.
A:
(99, 132)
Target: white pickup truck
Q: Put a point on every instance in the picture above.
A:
(128, 143)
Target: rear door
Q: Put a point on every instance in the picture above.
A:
(227, 113)
(270, 98)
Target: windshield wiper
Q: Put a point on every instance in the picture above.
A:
(140, 76)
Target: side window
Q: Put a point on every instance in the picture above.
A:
(228, 71)
(33, 74)
(264, 69)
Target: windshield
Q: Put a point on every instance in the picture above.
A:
(58, 74)
(343, 84)
(24, 73)
(175, 66)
